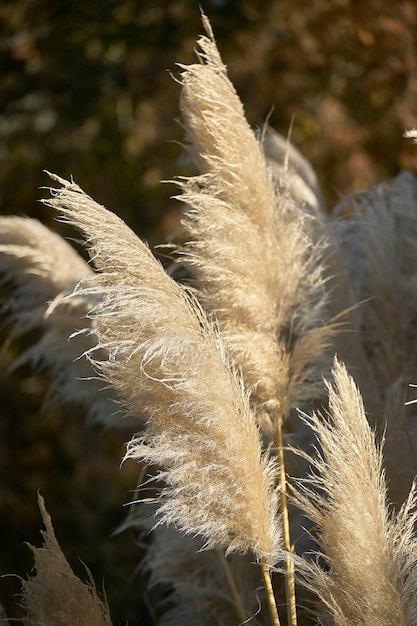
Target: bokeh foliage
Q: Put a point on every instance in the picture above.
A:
(87, 89)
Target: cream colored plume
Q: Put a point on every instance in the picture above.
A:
(197, 581)
(167, 364)
(252, 248)
(54, 596)
(378, 242)
(286, 162)
(39, 269)
(380, 233)
(40, 265)
(368, 555)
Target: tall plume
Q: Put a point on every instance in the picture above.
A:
(40, 269)
(167, 364)
(40, 264)
(193, 585)
(381, 230)
(368, 553)
(380, 233)
(251, 247)
(54, 596)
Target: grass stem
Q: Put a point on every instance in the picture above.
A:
(266, 578)
(289, 564)
(234, 592)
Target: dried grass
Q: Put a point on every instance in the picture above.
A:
(163, 359)
(252, 246)
(54, 596)
(40, 270)
(366, 566)
(199, 370)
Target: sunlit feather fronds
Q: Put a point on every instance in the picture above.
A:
(253, 250)
(167, 365)
(367, 555)
(54, 596)
(38, 270)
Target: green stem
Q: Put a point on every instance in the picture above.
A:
(266, 578)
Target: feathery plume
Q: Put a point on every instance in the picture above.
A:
(43, 269)
(55, 596)
(166, 363)
(255, 254)
(196, 580)
(368, 554)
(286, 162)
(250, 246)
(381, 231)
(40, 264)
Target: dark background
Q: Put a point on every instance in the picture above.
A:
(86, 89)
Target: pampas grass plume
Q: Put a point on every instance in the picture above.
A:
(168, 367)
(54, 596)
(42, 269)
(369, 554)
(250, 246)
(209, 376)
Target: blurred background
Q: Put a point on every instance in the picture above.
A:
(88, 89)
